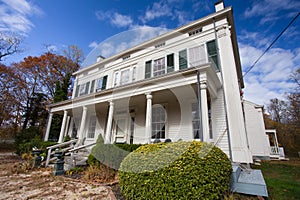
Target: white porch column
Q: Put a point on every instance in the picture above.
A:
(233, 106)
(63, 127)
(109, 123)
(67, 126)
(48, 127)
(149, 118)
(82, 124)
(204, 111)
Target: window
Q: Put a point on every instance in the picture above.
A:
(158, 122)
(197, 56)
(148, 69)
(101, 84)
(92, 127)
(134, 73)
(92, 86)
(182, 59)
(82, 89)
(213, 52)
(125, 76)
(170, 63)
(159, 67)
(77, 90)
(195, 121)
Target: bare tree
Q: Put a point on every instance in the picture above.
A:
(9, 44)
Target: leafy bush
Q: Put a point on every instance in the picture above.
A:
(29, 138)
(109, 154)
(181, 170)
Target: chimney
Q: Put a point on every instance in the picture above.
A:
(99, 58)
(219, 5)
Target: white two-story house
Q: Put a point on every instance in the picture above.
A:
(183, 85)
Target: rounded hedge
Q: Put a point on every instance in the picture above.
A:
(180, 170)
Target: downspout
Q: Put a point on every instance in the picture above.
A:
(199, 107)
(225, 103)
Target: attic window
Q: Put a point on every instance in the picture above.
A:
(160, 45)
(126, 57)
(195, 32)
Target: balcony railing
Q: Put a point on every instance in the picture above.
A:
(274, 151)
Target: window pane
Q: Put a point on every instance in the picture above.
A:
(92, 86)
(82, 89)
(170, 63)
(182, 59)
(159, 67)
(116, 79)
(133, 73)
(195, 120)
(92, 127)
(77, 90)
(213, 53)
(158, 122)
(125, 76)
(148, 69)
(99, 84)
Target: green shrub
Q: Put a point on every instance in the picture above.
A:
(110, 155)
(29, 138)
(181, 170)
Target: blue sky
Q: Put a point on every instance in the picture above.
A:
(55, 24)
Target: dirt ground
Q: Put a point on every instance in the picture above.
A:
(40, 184)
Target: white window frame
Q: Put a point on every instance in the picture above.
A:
(131, 76)
(99, 84)
(92, 127)
(82, 89)
(160, 64)
(160, 121)
(195, 120)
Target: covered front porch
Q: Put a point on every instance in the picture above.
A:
(166, 107)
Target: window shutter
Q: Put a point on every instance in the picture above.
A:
(77, 90)
(197, 56)
(182, 59)
(92, 86)
(87, 87)
(212, 52)
(170, 63)
(104, 81)
(148, 69)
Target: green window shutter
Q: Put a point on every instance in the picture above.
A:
(104, 81)
(170, 63)
(212, 52)
(148, 69)
(92, 87)
(182, 59)
(87, 87)
(77, 90)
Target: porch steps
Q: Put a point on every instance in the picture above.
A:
(248, 181)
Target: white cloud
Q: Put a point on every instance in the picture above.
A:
(14, 15)
(122, 41)
(157, 10)
(270, 77)
(93, 44)
(270, 9)
(115, 18)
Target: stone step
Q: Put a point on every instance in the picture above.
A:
(248, 182)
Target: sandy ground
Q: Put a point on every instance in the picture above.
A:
(40, 184)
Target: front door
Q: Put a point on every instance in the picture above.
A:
(120, 129)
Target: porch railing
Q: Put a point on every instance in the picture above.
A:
(68, 145)
(274, 151)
